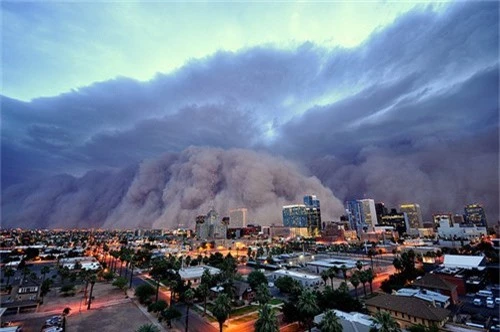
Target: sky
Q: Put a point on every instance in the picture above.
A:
(396, 101)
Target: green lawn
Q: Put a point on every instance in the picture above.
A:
(275, 301)
(244, 310)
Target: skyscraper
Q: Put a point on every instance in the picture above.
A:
(414, 214)
(474, 214)
(238, 218)
(295, 215)
(368, 212)
(313, 214)
(361, 214)
(307, 215)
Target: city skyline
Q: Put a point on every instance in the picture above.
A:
(121, 114)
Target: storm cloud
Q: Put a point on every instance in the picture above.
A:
(410, 115)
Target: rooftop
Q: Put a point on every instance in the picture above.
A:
(295, 274)
(409, 305)
(435, 282)
(195, 272)
(464, 262)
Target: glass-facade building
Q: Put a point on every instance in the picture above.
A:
(414, 215)
(474, 215)
(295, 215)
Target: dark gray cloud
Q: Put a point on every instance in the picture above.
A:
(411, 111)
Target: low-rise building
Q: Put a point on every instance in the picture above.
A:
(325, 264)
(435, 283)
(408, 311)
(437, 299)
(194, 273)
(351, 322)
(306, 280)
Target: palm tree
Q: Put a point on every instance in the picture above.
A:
(344, 272)
(330, 323)
(324, 275)
(363, 278)
(147, 328)
(9, 273)
(188, 299)
(92, 280)
(355, 282)
(369, 278)
(263, 295)
(371, 253)
(221, 309)
(267, 321)
(307, 307)
(331, 275)
(383, 322)
(44, 271)
(359, 265)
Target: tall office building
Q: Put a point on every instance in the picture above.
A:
(397, 220)
(238, 218)
(295, 215)
(381, 211)
(474, 214)
(369, 212)
(361, 214)
(311, 201)
(210, 227)
(414, 215)
(353, 211)
(313, 214)
(306, 215)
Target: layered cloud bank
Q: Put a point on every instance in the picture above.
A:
(167, 192)
(410, 115)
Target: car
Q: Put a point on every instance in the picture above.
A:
(490, 303)
(270, 284)
(478, 302)
(53, 329)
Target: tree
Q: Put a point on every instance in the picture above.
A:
(359, 265)
(121, 283)
(383, 322)
(363, 278)
(330, 322)
(45, 288)
(92, 280)
(144, 292)
(371, 254)
(9, 273)
(307, 307)
(68, 290)
(44, 271)
(422, 328)
(355, 282)
(169, 314)
(263, 295)
(369, 278)
(331, 275)
(203, 291)
(147, 328)
(255, 278)
(267, 321)
(344, 272)
(221, 309)
(324, 275)
(188, 299)
(158, 306)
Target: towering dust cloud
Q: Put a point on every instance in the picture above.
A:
(166, 192)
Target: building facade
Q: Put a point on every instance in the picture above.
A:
(414, 214)
(474, 215)
(238, 218)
